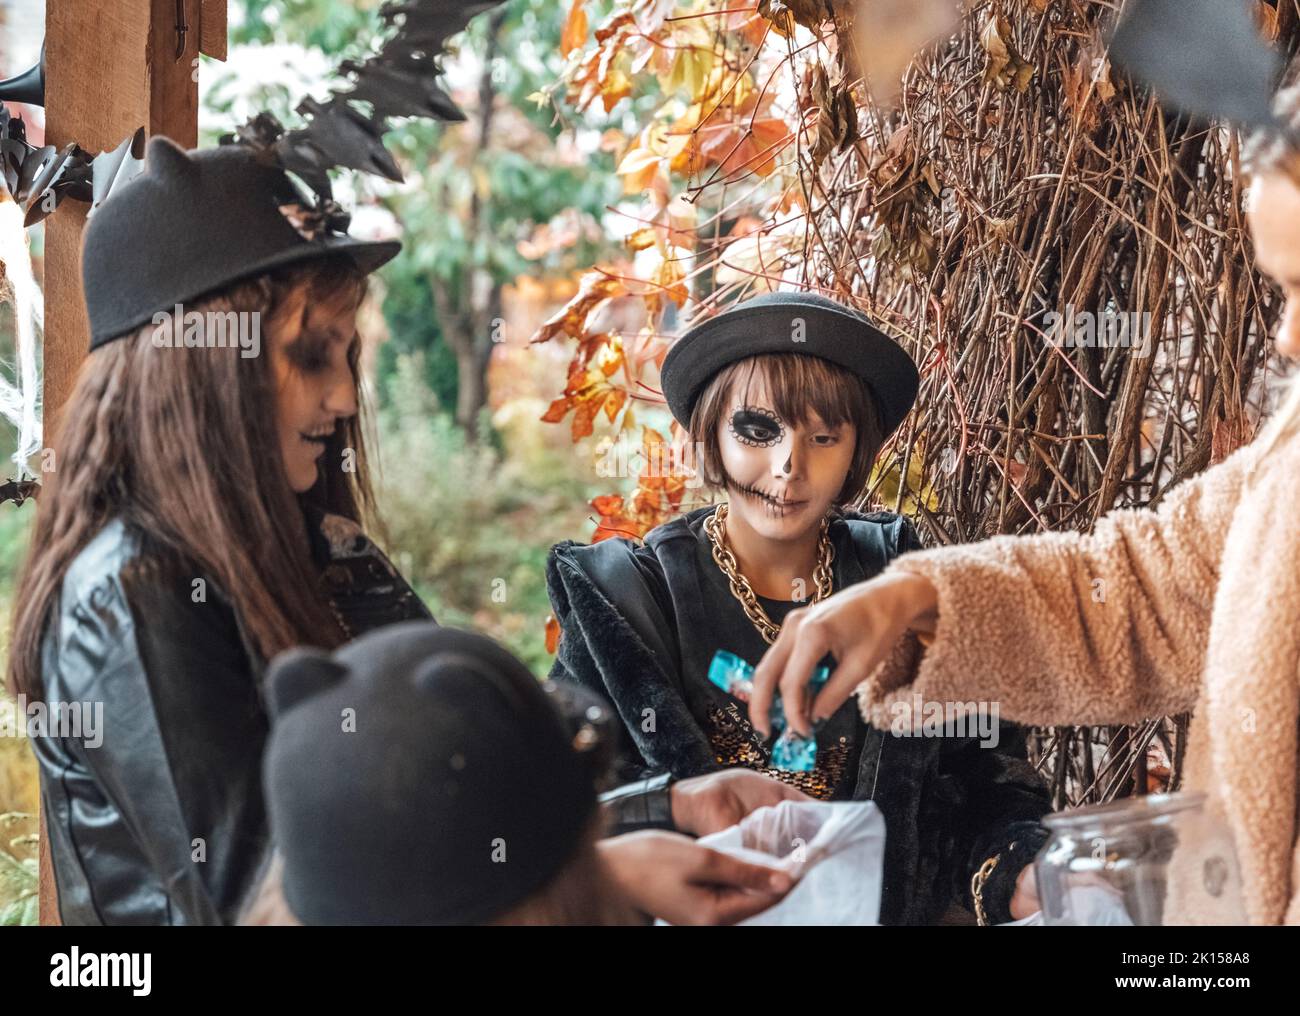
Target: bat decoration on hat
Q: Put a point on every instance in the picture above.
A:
(1204, 57)
(398, 81)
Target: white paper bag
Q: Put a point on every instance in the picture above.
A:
(835, 850)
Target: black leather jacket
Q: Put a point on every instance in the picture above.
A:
(155, 812)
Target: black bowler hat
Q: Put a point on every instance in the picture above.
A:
(194, 222)
(422, 775)
(791, 322)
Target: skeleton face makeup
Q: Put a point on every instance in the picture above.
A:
(757, 427)
(315, 387)
(781, 477)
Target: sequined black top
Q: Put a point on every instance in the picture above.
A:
(706, 617)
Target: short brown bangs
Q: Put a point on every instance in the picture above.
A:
(799, 386)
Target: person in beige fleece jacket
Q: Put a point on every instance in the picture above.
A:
(1191, 607)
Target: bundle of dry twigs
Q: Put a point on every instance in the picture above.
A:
(983, 223)
(1068, 263)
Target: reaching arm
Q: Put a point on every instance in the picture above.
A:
(1109, 627)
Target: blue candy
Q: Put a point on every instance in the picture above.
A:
(793, 753)
(736, 677)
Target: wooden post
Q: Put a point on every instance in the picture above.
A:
(110, 69)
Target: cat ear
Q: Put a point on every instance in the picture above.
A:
(1201, 56)
(165, 158)
(297, 675)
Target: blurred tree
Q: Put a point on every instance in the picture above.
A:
(485, 201)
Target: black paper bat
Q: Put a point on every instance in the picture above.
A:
(1203, 57)
(18, 491)
(346, 130)
(40, 179)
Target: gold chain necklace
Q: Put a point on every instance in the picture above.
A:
(744, 592)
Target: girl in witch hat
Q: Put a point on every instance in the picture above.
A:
(788, 398)
(204, 511)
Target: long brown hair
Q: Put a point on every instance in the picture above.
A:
(581, 894)
(182, 445)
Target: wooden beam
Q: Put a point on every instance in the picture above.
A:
(110, 69)
(213, 29)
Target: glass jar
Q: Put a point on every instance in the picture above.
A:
(1158, 859)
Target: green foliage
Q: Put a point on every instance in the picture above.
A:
(325, 24)
(413, 328)
(469, 527)
(19, 899)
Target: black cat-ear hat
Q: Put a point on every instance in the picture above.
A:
(791, 322)
(194, 222)
(423, 775)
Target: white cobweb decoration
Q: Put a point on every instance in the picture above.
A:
(20, 381)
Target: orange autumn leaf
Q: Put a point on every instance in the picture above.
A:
(614, 403)
(669, 283)
(552, 634)
(739, 147)
(558, 410)
(748, 140)
(685, 157)
(641, 239)
(749, 23)
(638, 168)
(575, 28)
(617, 85)
(607, 504)
(619, 24)
(605, 70)
(586, 395)
(585, 409)
(571, 319)
(612, 522)
(656, 500)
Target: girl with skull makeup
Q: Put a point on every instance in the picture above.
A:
(788, 398)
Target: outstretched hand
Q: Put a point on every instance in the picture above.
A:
(707, 804)
(672, 877)
(858, 626)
